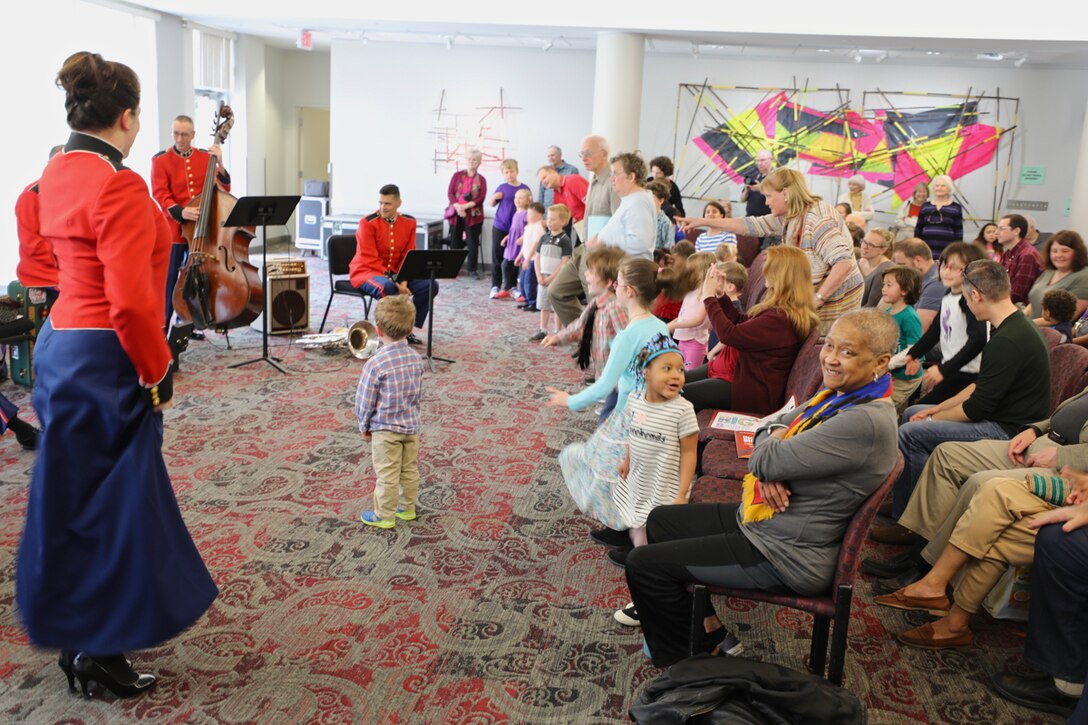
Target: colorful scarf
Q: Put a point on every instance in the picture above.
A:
(823, 406)
(657, 345)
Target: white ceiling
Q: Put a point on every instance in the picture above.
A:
(991, 33)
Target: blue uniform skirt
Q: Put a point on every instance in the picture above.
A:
(106, 564)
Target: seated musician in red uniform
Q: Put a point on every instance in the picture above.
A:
(177, 177)
(384, 238)
(37, 266)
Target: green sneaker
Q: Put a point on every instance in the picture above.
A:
(406, 515)
(371, 519)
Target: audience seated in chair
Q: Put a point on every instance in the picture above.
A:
(1012, 390)
(811, 470)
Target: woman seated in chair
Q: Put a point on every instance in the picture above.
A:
(812, 468)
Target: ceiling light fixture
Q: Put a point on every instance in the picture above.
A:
(449, 42)
(856, 56)
(882, 57)
(548, 44)
(823, 50)
(1020, 61)
(990, 56)
(695, 50)
(933, 52)
(363, 38)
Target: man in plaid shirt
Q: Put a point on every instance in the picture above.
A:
(1018, 257)
(387, 405)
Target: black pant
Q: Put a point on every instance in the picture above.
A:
(1057, 637)
(497, 235)
(510, 273)
(704, 392)
(689, 543)
(462, 235)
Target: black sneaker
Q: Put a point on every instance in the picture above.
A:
(538, 336)
(530, 308)
(413, 340)
(619, 557)
(628, 616)
(610, 537)
(726, 642)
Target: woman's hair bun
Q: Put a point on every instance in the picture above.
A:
(97, 91)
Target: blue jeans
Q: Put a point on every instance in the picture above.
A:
(384, 287)
(528, 284)
(919, 439)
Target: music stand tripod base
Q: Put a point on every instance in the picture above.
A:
(252, 211)
(431, 264)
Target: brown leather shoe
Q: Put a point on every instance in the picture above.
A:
(898, 600)
(894, 534)
(924, 637)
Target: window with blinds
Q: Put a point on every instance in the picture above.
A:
(211, 60)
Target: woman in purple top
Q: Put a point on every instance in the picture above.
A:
(511, 247)
(467, 191)
(504, 198)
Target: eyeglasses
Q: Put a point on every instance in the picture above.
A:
(974, 268)
(584, 154)
(952, 267)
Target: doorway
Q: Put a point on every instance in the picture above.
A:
(313, 145)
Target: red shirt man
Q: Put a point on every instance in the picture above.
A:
(570, 190)
(37, 265)
(383, 240)
(177, 175)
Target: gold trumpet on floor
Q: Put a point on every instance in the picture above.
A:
(361, 339)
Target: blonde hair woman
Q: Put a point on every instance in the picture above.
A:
(465, 214)
(765, 342)
(807, 222)
(940, 222)
(876, 256)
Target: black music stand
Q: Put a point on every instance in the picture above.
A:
(431, 264)
(253, 211)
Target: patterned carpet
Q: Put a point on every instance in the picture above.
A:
(492, 607)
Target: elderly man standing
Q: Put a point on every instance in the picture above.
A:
(555, 160)
(600, 203)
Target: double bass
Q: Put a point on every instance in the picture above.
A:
(217, 287)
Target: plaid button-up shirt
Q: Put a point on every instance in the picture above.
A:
(389, 388)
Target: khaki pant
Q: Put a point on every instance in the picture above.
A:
(902, 390)
(567, 286)
(394, 457)
(994, 532)
(949, 482)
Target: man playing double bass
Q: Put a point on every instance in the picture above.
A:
(177, 177)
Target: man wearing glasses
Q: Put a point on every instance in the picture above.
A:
(177, 177)
(1018, 256)
(601, 201)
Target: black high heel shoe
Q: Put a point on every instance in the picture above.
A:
(65, 662)
(112, 672)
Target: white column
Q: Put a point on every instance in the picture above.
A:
(617, 88)
(1078, 206)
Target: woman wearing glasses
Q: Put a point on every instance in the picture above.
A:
(876, 256)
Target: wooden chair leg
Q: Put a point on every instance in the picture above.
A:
(838, 637)
(699, 599)
(817, 654)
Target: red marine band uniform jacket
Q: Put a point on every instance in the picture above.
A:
(37, 265)
(112, 246)
(176, 180)
(381, 247)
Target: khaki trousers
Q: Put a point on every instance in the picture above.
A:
(902, 390)
(568, 285)
(394, 457)
(994, 532)
(949, 482)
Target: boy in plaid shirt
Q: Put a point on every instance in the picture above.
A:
(387, 405)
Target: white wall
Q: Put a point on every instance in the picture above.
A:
(1048, 125)
(383, 97)
(34, 120)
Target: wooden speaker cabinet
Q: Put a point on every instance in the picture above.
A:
(288, 304)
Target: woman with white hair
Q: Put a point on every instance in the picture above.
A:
(465, 214)
(859, 201)
(941, 220)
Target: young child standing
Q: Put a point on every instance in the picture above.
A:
(504, 198)
(653, 463)
(534, 230)
(902, 286)
(387, 405)
(691, 328)
(511, 245)
(604, 316)
(552, 253)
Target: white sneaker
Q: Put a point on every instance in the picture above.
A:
(494, 293)
(628, 616)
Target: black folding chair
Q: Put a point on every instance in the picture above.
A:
(341, 251)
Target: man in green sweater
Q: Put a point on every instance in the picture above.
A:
(1012, 389)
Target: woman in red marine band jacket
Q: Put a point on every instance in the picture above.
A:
(105, 564)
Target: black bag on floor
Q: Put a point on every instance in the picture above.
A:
(707, 690)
